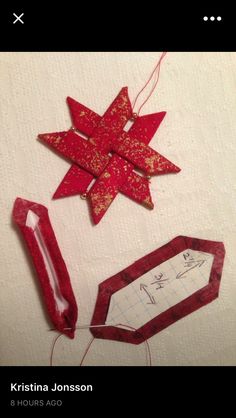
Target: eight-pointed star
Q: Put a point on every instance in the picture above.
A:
(109, 155)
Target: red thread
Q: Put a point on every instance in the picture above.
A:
(92, 340)
(155, 72)
(53, 346)
(87, 350)
(146, 342)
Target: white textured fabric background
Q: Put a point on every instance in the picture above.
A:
(198, 134)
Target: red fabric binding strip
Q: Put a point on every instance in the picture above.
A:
(171, 315)
(48, 262)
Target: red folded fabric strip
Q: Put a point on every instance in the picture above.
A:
(34, 224)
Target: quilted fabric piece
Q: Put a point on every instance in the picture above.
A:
(34, 224)
(158, 290)
(107, 138)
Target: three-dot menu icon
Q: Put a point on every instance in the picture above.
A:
(212, 18)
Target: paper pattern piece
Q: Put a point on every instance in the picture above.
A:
(34, 224)
(159, 289)
(109, 154)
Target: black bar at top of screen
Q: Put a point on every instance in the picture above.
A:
(62, 27)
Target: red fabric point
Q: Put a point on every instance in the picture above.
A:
(142, 156)
(83, 119)
(76, 181)
(137, 188)
(145, 127)
(107, 186)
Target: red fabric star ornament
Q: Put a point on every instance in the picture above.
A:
(109, 155)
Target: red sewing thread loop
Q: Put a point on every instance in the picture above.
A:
(149, 357)
(87, 350)
(156, 72)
